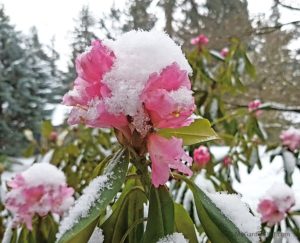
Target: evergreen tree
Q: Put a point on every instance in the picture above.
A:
(24, 86)
(82, 36)
(134, 16)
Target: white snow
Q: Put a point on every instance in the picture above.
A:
(43, 173)
(8, 233)
(138, 54)
(91, 194)
(238, 212)
(282, 194)
(97, 236)
(289, 160)
(182, 96)
(173, 238)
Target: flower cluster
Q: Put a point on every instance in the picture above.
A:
(200, 40)
(276, 203)
(201, 156)
(253, 106)
(291, 138)
(137, 85)
(40, 190)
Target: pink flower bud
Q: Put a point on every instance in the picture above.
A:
(53, 136)
(227, 161)
(200, 40)
(202, 156)
(253, 106)
(224, 52)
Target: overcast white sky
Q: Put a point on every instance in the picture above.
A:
(56, 17)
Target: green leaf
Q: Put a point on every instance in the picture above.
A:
(250, 69)
(161, 215)
(46, 129)
(184, 223)
(216, 225)
(129, 206)
(199, 131)
(82, 230)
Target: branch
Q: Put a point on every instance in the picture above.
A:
(272, 106)
(286, 6)
(270, 29)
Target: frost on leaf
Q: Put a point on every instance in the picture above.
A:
(238, 212)
(91, 194)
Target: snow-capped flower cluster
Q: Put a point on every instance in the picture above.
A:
(276, 203)
(200, 40)
(291, 138)
(201, 156)
(254, 106)
(136, 84)
(40, 190)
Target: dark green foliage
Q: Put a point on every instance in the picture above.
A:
(82, 36)
(26, 86)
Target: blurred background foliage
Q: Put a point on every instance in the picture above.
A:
(259, 65)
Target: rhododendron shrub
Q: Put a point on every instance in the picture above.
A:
(139, 152)
(139, 85)
(38, 192)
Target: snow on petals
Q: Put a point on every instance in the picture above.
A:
(90, 66)
(166, 154)
(31, 192)
(291, 138)
(277, 201)
(89, 91)
(136, 84)
(168, 98)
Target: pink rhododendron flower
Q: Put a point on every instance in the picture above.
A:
(227, 161)
(168, 98)
(166, 154)
(88, 89)
(269, 212)
(137, 87)
(291, 138)
(200, 40)
(276, 203)
(254, 105)
(201, 156)
(40, 190)
(224, 52)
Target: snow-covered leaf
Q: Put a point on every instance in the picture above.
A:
(217, 227)
(83, 216)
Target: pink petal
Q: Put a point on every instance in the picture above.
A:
(170, 78)
(166, 154)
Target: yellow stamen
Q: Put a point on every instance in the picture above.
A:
(176, 113)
